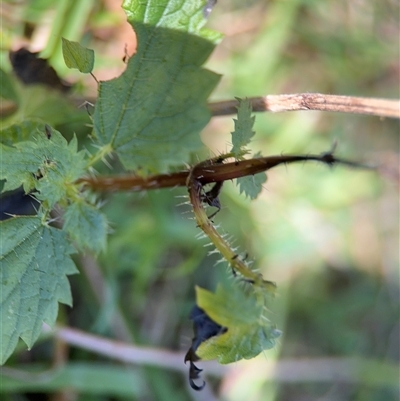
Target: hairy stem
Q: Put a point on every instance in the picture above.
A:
(207, 173)
(236, 263)
(215, 170)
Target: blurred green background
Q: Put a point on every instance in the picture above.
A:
(328, 237)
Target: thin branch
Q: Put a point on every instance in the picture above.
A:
(206, 174)
(133, 182)
(313, 101)
(339, 370)
(118, 350)
(205, 224)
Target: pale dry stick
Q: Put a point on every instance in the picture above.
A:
(119, 350)
(313, 101)
(339, 370)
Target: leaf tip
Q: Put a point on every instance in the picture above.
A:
(77, 56)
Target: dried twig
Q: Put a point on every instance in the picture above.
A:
(345, 370)
(313, 101)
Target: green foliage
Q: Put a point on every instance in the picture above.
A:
(47, 164)
(243, 132)
(7, 90)
(88, 378)
(251, 186)
(241, 136)
(40, 104)
(34, 264)
(86, 225)
(77, 56)
(21, 131)
(243, 314)
(310, 216)
(158, 105)
(35, 258)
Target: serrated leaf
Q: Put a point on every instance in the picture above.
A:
(77, 56)
(243, 132)
(49, 165)
(251, 185)
(152, 114)
(34, 264)
(20, 132)
(248, 332)
(86, 225)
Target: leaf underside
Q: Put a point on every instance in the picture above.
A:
(158, 105)
(34, 264)
(248, 333)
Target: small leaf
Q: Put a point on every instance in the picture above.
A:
(251, 185)
(51, 166)
(34, 264)
(243, 132)
(77, 56)
(86, 225)
(247, 332)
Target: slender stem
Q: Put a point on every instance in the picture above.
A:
(206, 173)
(135, 183)
(203, 222)
(313, 101)
(215, 171)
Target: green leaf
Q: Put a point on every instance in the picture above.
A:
(248, 333)
(40, 104)
(49, 165)
(152, 114)
(34, 264)
(251, 186)
(243, 132)
(86, 225)
(77, 56)
(21, 131)
(7, 90)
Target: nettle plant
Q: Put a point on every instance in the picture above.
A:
(150, 117)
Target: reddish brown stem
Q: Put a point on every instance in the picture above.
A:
(135, 183)
(206, 173)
